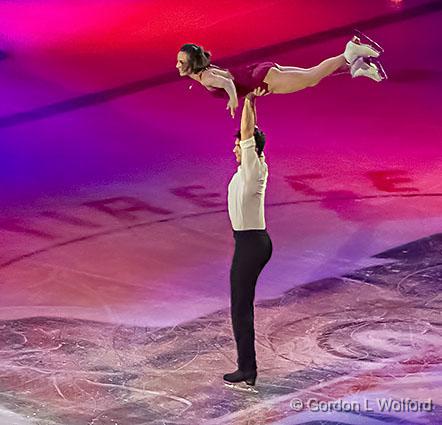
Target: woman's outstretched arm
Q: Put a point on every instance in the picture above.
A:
(213, 80)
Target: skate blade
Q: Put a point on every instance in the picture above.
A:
(241, 386)
(381, 70)
(369, 41)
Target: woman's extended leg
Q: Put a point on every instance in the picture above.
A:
(291, 79)
(287, 79)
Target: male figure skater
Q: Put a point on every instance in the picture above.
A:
(253, 247)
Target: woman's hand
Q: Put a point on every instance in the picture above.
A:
(211, 80)
(232, 105)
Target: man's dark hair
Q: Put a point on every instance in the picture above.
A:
(199, 59)
(260, 139)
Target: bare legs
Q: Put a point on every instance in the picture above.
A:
(289, 79)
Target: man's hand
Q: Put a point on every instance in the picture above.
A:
(258, 92)
(232, 105)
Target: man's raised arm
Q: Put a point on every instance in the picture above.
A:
(248, 117)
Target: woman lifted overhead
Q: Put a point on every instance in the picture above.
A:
(359, 58)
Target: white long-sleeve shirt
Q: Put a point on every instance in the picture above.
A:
(247, 189)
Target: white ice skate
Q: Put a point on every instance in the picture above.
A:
(355, 49)
(368, 67)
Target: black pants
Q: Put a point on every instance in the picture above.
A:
(253, 249)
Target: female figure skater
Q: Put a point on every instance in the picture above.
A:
(194, 62)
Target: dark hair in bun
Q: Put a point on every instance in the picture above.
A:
(199, 59)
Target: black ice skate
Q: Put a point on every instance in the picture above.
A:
(242, 381)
